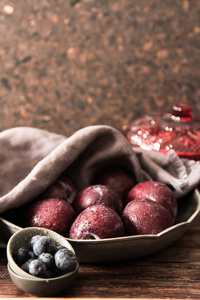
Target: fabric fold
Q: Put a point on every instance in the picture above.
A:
(32, 159)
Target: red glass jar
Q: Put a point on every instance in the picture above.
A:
(178, 130)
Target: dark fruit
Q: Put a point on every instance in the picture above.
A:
(144, 216)
(98, 194)
(56, 190)
(54, 214)
(69, 188)
(26, 264)
(97, 222)
(63, 188)
(157, 192)
(20, 255)
(44, 244)
(33, 240)
(37, 268)
(119, 179)
(31, 255)
(65, 260)
(50, 260)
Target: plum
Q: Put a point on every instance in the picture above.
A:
(118, 178)
(97, 222)
(157, 192)
(55, 214)
(62, 188)
(69, 188)
(98, 194)
(56, 190)
(144, 216)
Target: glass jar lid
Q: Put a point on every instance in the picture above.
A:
(178, 130)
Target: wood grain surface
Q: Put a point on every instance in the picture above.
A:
(173, 273)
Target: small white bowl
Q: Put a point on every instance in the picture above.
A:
(25, 281)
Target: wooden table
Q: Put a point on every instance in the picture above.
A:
(172, 273)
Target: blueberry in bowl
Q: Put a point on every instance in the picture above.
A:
(40, 261)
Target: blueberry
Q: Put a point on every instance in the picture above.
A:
(31, 255)
(43, 258)
(20, 255)
(59, 247)
(25, 265)
(43, 244)
(48, 259)
(37, 268)
(65, 260)
(33, 240)
(49, 274)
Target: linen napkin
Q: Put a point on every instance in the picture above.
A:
(32, 159)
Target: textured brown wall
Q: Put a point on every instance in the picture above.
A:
(69, 64)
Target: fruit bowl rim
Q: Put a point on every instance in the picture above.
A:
(97, 251)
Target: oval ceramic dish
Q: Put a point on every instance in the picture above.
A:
(21, 239)
(42, 287)
(36, 285)
(129, 247)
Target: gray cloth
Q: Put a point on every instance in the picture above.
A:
(32, 159)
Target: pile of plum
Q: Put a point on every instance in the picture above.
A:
(113, 206)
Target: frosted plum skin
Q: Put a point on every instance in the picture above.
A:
(54, 214)
(95, 195)
(117, 178)
(56, 190)
(157, 192)
(63, 188)
(144, 216)
(97, 222)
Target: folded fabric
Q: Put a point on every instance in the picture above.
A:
(32, 159)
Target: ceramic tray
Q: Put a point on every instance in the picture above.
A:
(129, 247)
